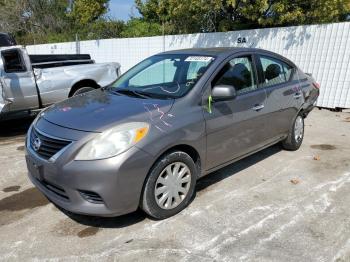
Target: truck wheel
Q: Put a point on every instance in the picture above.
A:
(296, 135)
(82, 90)
(170, 185)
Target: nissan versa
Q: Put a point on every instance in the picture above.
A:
(145, 140)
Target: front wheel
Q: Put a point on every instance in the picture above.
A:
(170, 185)
(295, 136)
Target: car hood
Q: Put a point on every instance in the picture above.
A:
(98, 110)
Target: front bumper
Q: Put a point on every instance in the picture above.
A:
(115, 184)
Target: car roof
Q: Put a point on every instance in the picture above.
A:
(214, 51)
(224, 52)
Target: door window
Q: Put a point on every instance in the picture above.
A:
(288, 71)
(13, 61)
(238, 73)
(275, 71)
(196, 69)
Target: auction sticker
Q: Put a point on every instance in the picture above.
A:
(199, 59)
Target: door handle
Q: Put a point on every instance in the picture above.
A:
(258, 107)
(297, 95)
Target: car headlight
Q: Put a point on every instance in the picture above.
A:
(113, 141)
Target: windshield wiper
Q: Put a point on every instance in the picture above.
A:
(145, 95)
(131, 92)
(151, 95)
(156, 95)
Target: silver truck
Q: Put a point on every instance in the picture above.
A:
(26, 87)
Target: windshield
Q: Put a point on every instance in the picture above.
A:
(168, 76)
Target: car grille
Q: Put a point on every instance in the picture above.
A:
(49, 145)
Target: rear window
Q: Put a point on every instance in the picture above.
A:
(13, 61)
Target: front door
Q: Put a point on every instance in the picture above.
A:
(18, 83)
(235, 127)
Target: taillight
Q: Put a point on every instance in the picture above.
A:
(316, 85)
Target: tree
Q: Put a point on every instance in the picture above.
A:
(102, 29)
(33, 19)
(42, 21)
(183, 16)
(44, 16)
(45, 21)
(137, 27)
(87, 11)
(11, 16)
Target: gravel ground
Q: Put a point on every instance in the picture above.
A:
(272, 206)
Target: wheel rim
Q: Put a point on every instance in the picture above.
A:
(298, 129)
(172, 185)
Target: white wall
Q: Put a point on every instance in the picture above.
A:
(323, 50)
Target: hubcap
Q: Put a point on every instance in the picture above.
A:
(172, 185)
(298, 129)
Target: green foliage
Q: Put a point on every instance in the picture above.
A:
(137, 27)
(50, 37)
(86, 11)
(47, 21)
(183, 16)
(41, 21)
(9, 16)
(102, 29)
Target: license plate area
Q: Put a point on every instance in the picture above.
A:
(35, 169)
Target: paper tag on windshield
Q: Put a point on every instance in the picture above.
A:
(199, 59)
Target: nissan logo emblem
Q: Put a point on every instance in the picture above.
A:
(37, 144)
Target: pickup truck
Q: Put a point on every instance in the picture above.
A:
(27, 86)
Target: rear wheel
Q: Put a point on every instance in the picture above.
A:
(296, 135)
(82, 90)
(170, 185)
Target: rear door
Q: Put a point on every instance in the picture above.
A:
(284, 97)
(18, 80)
(235, 127)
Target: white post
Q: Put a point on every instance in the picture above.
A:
(77, 44)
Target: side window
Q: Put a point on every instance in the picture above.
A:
(288, 71)
(275, 71)
(238, 72)
(196, 69)
(161, 72)
(13, 61)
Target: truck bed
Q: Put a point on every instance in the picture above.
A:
(47, 61)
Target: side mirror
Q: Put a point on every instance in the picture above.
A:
(223, 93)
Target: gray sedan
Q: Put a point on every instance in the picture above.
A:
(170, 120)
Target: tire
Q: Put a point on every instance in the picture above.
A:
(162, 198)
(296, 134)
(82, 90)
